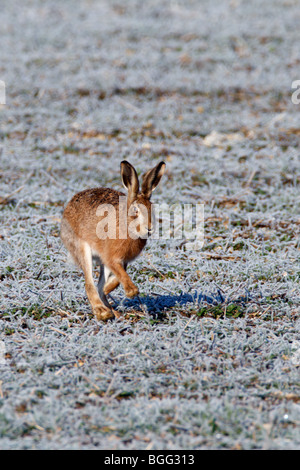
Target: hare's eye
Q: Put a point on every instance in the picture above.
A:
(134, 211)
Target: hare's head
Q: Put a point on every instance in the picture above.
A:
(139, 213)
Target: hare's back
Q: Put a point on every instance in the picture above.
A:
(90, 199)
(81, 211)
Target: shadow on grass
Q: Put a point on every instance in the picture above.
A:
(197, 303)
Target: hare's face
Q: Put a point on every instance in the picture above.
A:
(141, 218)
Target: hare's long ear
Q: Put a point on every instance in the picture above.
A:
(130, 180)
(151, 179)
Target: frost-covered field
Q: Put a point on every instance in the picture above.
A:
(208, 356)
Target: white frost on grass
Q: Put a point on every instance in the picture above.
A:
(207, 356)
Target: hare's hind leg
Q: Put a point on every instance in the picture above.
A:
(100, 286)
(101, 309)
(106, 278)
(82, 256)
(103, 276)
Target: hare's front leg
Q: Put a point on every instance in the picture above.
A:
(111, 281)
(119, 271)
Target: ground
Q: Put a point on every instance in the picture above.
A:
(208, 356)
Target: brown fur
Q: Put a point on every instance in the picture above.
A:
(79, 235)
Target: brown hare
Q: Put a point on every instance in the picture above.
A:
(105, 225)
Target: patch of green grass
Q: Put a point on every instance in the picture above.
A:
(239, 245)
(34, 310)
(221, 310)
(71, 149)
(9, 331)
(6, 272)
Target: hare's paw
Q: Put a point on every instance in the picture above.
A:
(131, 291)
(103, 314)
